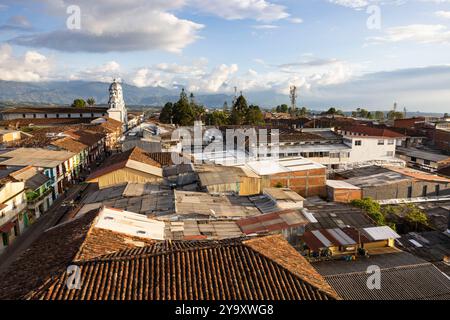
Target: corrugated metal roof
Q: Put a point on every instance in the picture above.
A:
(381, 233)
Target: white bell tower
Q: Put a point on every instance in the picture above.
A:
(117, 109)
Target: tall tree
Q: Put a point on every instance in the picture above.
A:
(166, 113)
(379, 115)
(79, 103)
(217, 118)
(239, 111)
(254, 116)
(90, 102)
(183, 113)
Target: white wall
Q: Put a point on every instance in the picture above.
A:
(62, 115)
(369, 149)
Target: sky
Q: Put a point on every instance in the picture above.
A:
(345, 53)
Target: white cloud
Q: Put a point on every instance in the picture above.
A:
(443, 14)
(32, 66)
(196, 77)
(355, 4)
(265, 26)
(118, 26)
(296, 20)
(421, 33)
(260, 10)
(104, 73)
(134, 25)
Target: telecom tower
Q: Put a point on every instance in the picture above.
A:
(235, 97)
(293, 97)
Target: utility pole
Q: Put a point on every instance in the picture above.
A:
(235, 96)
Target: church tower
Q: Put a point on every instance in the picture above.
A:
(117, 109)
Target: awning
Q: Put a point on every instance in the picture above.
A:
(7, 227)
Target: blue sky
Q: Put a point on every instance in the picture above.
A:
(209, 46)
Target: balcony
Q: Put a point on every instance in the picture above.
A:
(11, 214)
(34, 200)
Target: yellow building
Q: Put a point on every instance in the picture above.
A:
(8, 136)
(133, 166)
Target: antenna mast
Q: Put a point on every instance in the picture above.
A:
(293, 97)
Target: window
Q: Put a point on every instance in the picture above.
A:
(46, 116)
(23, 115)
(34, 115)
(81, 115)
(69, 115)
(381, 142)
(391, 142)
(424, 191)
(390, 153)
(358, 143)
(413, 159)
(437, 190)
(409, 192)
(427, 162)
(57, 115)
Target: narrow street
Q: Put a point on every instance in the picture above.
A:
(52, 217)
(55, 215)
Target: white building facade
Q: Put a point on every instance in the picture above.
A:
(117, 109)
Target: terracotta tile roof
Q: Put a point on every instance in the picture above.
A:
(112, 125)
(55, 110)
(119, 161)
(420, 175)
(43, 122)
(196, 270)
(58, 248)
(372, 131)
(69, 144)
(79, 138)
(86, 136)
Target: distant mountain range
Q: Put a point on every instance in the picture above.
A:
(64, 92)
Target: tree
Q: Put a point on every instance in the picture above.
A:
(217, 118)
(166, 113)
(333, 112)
(90, 102)
(183, 113)
(78, 103)
(282, 108)
(393, 115)
(414, 215)
(254, 116)
(379, 115)
(372, 208)
(303, 112)
(239, 111)
(446, 115)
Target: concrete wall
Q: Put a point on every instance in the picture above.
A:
(400, 190)
(307, 183)
(343, 195)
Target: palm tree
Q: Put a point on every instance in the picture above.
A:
(90, 102)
